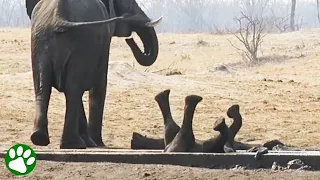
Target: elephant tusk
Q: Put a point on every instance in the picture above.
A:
(154, 22)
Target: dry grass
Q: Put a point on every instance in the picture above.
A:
(285, 110)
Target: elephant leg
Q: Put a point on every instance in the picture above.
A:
(40, 135)
(42, 80)
(70, 136)
(96, 106)
(138, 141)
(83, 128)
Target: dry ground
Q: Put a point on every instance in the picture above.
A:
(111, 171)
(288, 111)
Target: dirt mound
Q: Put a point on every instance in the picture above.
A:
(124, 74)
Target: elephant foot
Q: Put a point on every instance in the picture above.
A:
(40, 137)
(233, 111)
(88, 141)
(74, 142)
(219, 124)
(98, 140)
(228, 149)
(99, 143)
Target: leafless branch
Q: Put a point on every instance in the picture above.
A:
(281, 23)
(251, 33)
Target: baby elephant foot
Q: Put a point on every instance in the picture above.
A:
(72, 142)
(219, 124)
(40, 137)
(233, 111)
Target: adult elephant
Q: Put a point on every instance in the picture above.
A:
(70, 43)
(147, 35)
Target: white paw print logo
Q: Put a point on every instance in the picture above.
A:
(20, 159)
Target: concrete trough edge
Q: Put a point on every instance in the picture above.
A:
(206, 160)
(105, 150)
(93, 150)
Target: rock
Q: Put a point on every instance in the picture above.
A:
(221, 68)
(280, 147)
(202, 43)
(146, 174)
(238, 167)
(305, 167)
(272, 143)
(275, 166)
(174, 72)
(295, 164)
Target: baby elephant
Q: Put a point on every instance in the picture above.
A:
(171, 129)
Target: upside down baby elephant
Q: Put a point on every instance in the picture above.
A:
(70, 43)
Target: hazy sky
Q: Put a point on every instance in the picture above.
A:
(186, 15)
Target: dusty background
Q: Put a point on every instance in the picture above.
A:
(288, 111)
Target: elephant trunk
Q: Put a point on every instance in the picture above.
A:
(150, 44)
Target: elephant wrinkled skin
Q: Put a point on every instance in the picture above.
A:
(70, 44)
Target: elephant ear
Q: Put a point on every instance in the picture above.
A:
(30, 4)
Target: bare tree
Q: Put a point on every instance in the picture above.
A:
(292, 14)
(250, 33)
